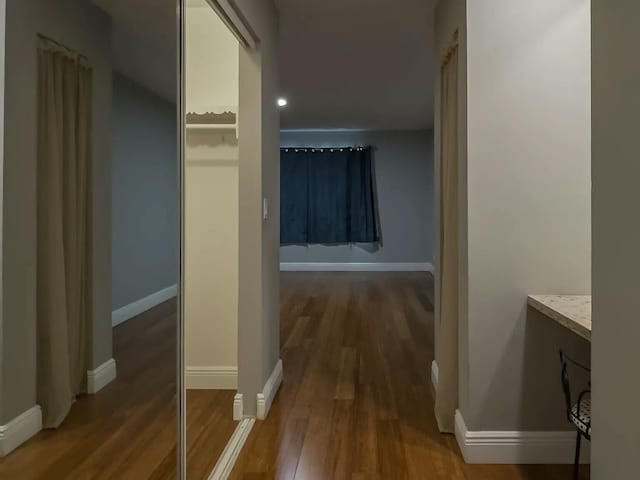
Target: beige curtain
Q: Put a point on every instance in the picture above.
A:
(447, 394)
(63, 262)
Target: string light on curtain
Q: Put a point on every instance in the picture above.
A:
(322, 150)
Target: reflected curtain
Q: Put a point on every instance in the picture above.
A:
(63, 216)
(447, 393)
(327, 196)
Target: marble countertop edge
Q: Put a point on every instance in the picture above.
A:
(571, 311)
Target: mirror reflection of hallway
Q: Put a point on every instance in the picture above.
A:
(88, 360)
(210, 235)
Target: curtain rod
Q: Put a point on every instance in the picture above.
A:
(49, 42)
(325, 149)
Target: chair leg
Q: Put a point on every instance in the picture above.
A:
(576, 462)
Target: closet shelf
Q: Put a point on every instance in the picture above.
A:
(226, 127)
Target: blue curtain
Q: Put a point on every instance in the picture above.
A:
(327, 196)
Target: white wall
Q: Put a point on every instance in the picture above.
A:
(211, 61)
(211, 206)
(528, 167)
(211, 253)
(616, 236)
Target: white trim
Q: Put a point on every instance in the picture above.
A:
(102, 376)
(127, 312)
(230, 454)
(20, 429)
(212, 378)
(517, 447)
(265, 398)
(435, 375)
(355, 267)
(238, 407)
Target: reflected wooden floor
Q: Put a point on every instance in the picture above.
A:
(209, 427)
(356, 401)
(128, 430)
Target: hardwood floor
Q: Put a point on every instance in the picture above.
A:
(356, 401)
(128, 430)
(209, 427)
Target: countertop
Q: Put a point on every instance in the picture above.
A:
(571, 311)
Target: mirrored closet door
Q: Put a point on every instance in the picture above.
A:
(210, 234)
(90, 239)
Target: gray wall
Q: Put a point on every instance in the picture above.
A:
(528, 174)
(259, 176)
(404, 179)
(616, 236)
(84, 28)
(144, 195)
(3, 7)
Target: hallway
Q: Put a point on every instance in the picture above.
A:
(356, 400)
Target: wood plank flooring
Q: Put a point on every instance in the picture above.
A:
(128, 430)
(356, 401)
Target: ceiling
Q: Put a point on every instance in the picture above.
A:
(365, 64)
(357, 63)
(144, 42)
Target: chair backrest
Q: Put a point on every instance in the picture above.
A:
(566, 385)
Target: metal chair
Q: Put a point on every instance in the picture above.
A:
(578, 413)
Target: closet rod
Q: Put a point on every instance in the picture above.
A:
(326, 149)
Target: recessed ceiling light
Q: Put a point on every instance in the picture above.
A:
(282, 102)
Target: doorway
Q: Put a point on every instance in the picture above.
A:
(210, 234)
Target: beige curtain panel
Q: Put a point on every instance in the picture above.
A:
(447, 394)
(63, 262)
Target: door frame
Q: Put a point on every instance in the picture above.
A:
(232, 15)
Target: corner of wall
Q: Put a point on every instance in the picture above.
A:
(259, 177)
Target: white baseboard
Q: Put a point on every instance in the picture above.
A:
(102, 376)
(230, 454)
(265, 398)
(19, 430)
(434, 375)
(238, 407)
(127, 312)
(211, 378)
(517, 447)
(356, 267)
